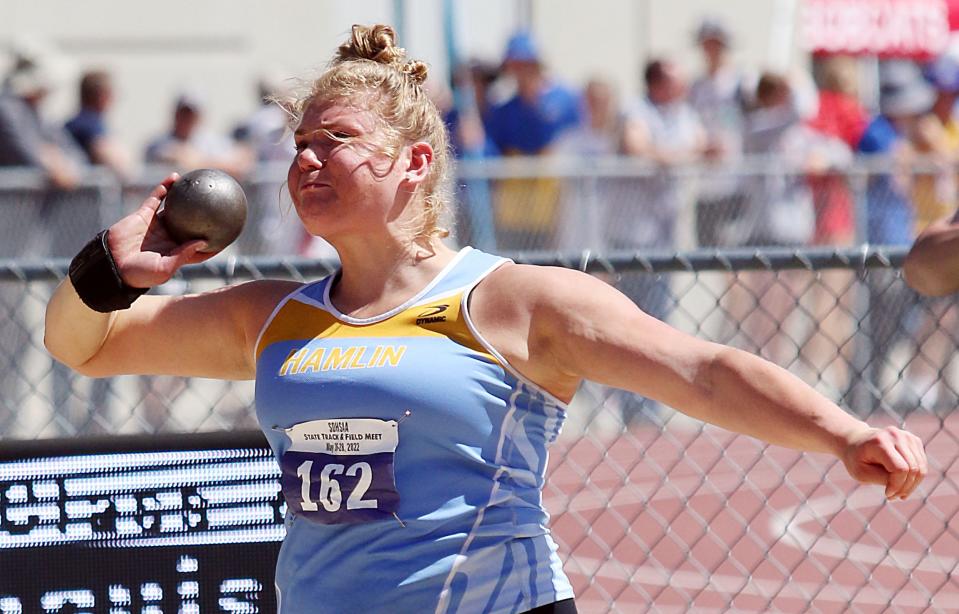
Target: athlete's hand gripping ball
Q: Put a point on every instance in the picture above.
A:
(145, 252)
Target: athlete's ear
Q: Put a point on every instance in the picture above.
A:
(421, 158)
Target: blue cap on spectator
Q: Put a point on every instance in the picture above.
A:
(521, 48)
(943, 73)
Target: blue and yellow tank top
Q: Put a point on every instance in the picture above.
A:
(413, 456)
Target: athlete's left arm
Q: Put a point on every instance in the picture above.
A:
(581, 328)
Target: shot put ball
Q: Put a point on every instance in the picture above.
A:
(205, 204)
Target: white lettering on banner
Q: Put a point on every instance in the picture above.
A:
(351, 437)
(885, 27)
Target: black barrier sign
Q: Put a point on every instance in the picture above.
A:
(140, 531)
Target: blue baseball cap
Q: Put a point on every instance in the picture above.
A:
(521, 48)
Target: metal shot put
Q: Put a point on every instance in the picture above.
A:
(205, 204)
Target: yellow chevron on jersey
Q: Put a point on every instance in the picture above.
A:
(304, 321)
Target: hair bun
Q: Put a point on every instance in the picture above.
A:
(377, 43)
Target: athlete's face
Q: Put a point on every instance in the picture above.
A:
(341, 181)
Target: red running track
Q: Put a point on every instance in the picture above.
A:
(683, 519)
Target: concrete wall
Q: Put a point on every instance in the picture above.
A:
(219, 47)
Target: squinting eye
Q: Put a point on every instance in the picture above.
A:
(299, 146)
(339, 136)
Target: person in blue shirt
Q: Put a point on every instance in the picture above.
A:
(529, 124)
(904, 96)
(89, 129)
(411, 397)
(530, 121)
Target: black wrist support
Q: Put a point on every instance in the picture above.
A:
(97, 281)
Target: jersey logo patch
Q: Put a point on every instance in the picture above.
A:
(432, 315)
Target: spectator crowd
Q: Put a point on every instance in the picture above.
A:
(766, 159)
(763, 159)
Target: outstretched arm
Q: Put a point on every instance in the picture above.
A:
(932, 266)
(580, 328)
(205, 335)
(145, 256)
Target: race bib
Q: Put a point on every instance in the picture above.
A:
(341, 471)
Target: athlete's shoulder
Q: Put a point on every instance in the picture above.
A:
(545, 301)
(525, 311)
(527, 284)
(516, 296)
(254, 301)
(261, 293)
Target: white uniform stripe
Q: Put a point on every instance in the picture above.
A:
(461, 557)
(561, 590)
(520, 441)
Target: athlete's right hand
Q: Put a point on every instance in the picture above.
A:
(144, 252)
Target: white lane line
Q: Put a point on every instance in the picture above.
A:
(789, 521)
(786, 524)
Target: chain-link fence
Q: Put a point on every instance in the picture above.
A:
(546, 203)
(652, 510)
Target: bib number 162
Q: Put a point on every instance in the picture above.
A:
(340, 471)
(331, 495)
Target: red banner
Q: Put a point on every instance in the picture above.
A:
(887, 28)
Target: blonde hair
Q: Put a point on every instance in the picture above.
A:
(370, 64)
